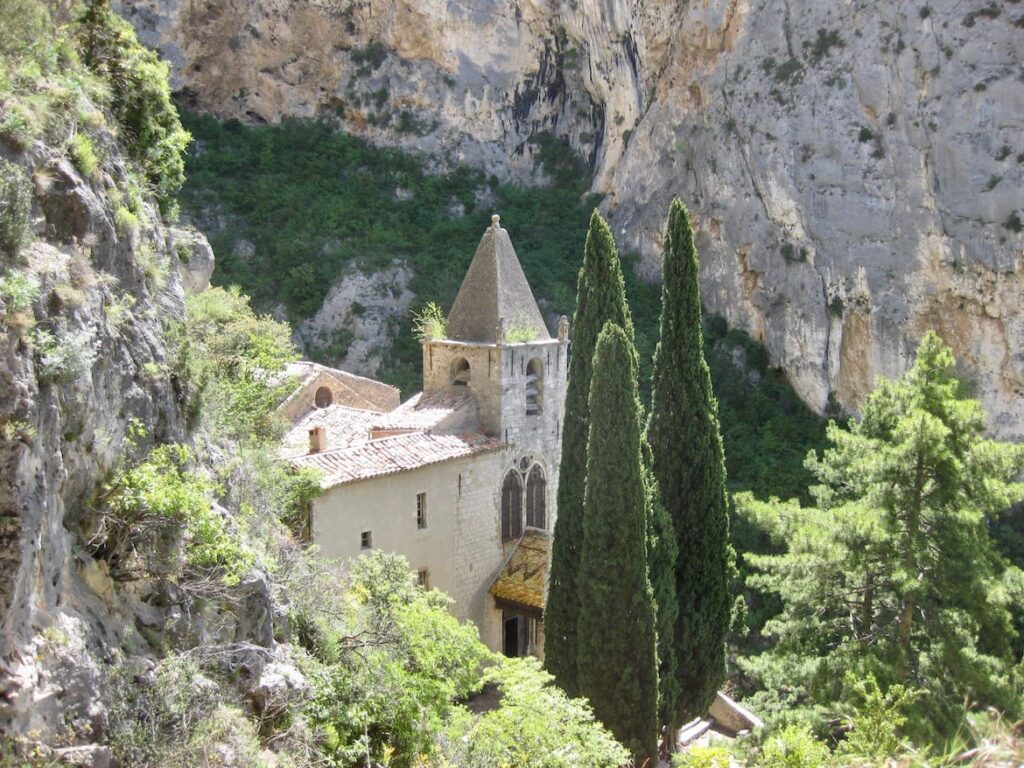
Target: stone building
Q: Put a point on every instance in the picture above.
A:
(462, 478)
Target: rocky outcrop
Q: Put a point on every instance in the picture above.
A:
(855, 169)
(86, 303)
(856, 172)
(359, 319)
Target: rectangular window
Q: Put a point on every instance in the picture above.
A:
(366, 539)
(423, 578)
(421, 510)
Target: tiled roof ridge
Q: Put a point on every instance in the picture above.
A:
(472, 443)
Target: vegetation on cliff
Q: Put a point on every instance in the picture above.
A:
(314, 202)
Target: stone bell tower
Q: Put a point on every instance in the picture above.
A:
(498, 346)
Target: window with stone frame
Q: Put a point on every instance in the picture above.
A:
(536, 499)
(511, 506)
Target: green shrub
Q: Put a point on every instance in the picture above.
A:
(18, 290)
(168, 716)
(154, 266)
(162, 489)
(231, 354)
(84, 155)
(793, 747)
(140, 99)
(64, 354)
(534, 724)
(877, 719)
(390, 700)
(430, 322)
(702, 757)
(15, 205)
(125, 221)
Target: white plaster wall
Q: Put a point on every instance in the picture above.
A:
(386, 506)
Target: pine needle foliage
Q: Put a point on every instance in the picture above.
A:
(893, 571)
(689, 465)
(600, 298)
(617, 662)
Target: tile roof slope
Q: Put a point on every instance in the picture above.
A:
(388, 455)
(494, 288)
(343, 425)
(521, 581)
(423, 411)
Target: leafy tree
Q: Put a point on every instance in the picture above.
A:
(600, 298)
(617, 662)
(892, 572)
(690, 469)
(535, 724)
(232, 358)
(405, 660)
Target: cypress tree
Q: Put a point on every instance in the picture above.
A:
(617, 662)
(661, 565)
(600, 297)
(689, 466)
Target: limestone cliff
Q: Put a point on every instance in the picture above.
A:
(856, 170)
(92, 285)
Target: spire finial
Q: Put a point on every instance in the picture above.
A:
(495, 218)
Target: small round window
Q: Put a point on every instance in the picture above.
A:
(324, 397)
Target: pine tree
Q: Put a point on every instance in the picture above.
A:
(617, 662)
(893, 569)
(690, 469)
(600, 297)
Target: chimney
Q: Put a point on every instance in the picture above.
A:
(317, 439)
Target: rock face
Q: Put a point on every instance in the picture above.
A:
(359, 319)
(85, 308)
(86, 358)
(855, 169)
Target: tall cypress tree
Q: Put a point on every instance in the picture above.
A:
(690, 469)
(600, 297)
(617, 662)
(661, 567)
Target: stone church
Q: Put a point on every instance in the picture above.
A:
(461, 478)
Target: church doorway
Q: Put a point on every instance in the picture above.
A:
(512, 641)
(521, 633)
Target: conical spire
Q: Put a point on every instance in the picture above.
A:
(494, 294)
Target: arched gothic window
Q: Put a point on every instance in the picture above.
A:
(536, 498)
(534, 386)
(511, 506)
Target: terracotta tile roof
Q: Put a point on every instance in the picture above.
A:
(388, 455)
(425, 411)
(343, 426)
(522, 579)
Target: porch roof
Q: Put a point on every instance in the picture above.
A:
(522, 580)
